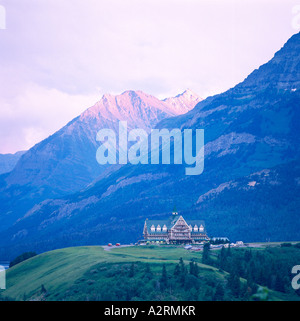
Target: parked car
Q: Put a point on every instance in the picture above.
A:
(118, 244)
(109, 244)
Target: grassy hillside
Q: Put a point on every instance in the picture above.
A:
(129, 273)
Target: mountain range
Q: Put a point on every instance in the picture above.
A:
(249, 189)
(9, 161)
(65, 162)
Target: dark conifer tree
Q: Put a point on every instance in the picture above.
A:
(205, 255)
(131, 271)
(164, 278)
(177, 270)
(219, 293)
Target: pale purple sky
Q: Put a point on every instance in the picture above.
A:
(58, 57)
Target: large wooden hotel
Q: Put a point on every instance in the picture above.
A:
(175, 230)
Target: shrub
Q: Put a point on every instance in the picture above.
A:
(286, 244)
(21, 258)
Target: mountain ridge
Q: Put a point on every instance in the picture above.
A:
(248, 129)
(138, 109)
(9, 161)
(65, 162)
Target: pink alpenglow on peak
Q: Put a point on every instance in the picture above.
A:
(51, 160)
(139, 107)
(184, 102)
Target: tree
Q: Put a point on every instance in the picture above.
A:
(251, 286)
(222, 259)
(192, 295)
(131, 271)
(208, 294)
(228, 250)
(148, 273)
(248, 256)
(194, 269)
(183, 271)
(177, 270)
(234, 283)
(191, 282)
(205, 255)
(43, 289)
(297, 246)
(147, 269)
(164, 278)
(181, 265)
(21, 258)
(279, 283)
(219, 293)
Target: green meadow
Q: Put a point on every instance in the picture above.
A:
(131, 273)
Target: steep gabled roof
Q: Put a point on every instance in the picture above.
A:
(171, 222)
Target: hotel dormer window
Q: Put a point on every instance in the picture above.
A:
(195, 228)
(165, 228)
(201, 228)
(152, 228)
(158, 229)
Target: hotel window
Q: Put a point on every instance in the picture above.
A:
(195, 228)
(158, 229)
(152, 228)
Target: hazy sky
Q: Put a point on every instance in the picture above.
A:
(58, 57)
